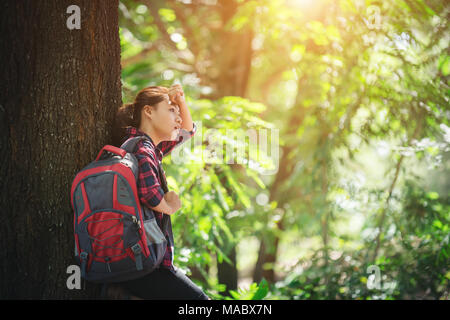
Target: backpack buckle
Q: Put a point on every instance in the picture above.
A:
(137, 250)
(83, 257)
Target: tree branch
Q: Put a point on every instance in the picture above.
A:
(153, 9)
(139, 56)
(189, 33)
(416, 132)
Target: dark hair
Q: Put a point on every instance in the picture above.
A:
(129, 114)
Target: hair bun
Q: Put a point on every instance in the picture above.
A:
(129, 106)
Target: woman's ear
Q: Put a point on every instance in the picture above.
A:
(148, 111)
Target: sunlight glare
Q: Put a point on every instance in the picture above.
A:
(301, 3)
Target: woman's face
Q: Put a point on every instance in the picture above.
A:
(166, 119)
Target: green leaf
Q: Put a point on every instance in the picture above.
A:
(237, 188)
(167, 14)
(263, 289)
(252, 174)
(444, 64)
(220, 197)
(221, 256)
(432, 195)
(437, 224)
(235, 294)
(204, 224)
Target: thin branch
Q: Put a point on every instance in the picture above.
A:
(182, 55)
(139, 56)
(189, 33)
(417, 131)
(153, 8)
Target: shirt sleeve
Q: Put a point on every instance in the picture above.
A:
(183, 136)
(149, 188)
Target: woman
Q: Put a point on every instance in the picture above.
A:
(161, 115)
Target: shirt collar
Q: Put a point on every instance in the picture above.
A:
(135, 132)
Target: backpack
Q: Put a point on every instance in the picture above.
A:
(116, 238)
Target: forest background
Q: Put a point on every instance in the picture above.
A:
(352, 95)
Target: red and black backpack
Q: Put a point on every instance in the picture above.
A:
(116, 238)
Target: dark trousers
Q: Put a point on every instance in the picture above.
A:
(163, 284)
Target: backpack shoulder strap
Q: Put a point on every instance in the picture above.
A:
(130, 144)
(162, 177)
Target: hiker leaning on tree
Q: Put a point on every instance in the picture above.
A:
(162, 116)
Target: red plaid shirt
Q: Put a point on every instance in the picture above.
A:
(149, 186)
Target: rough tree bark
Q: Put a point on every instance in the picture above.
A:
(59, 88)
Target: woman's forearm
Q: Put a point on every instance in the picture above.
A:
(170, 204)
(185, 115)
(176, 95)
(164, 207)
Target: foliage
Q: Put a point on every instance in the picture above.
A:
(359, 91)
(254, 292)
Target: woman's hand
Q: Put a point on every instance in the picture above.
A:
(173, 200)
(176, 94)
(170, 203)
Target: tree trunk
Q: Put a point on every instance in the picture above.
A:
(233, 62)
(227, 273)
(233, 55)
(268, 248)
(60, 88)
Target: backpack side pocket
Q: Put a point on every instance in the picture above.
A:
(153, 232)
(157, 243)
